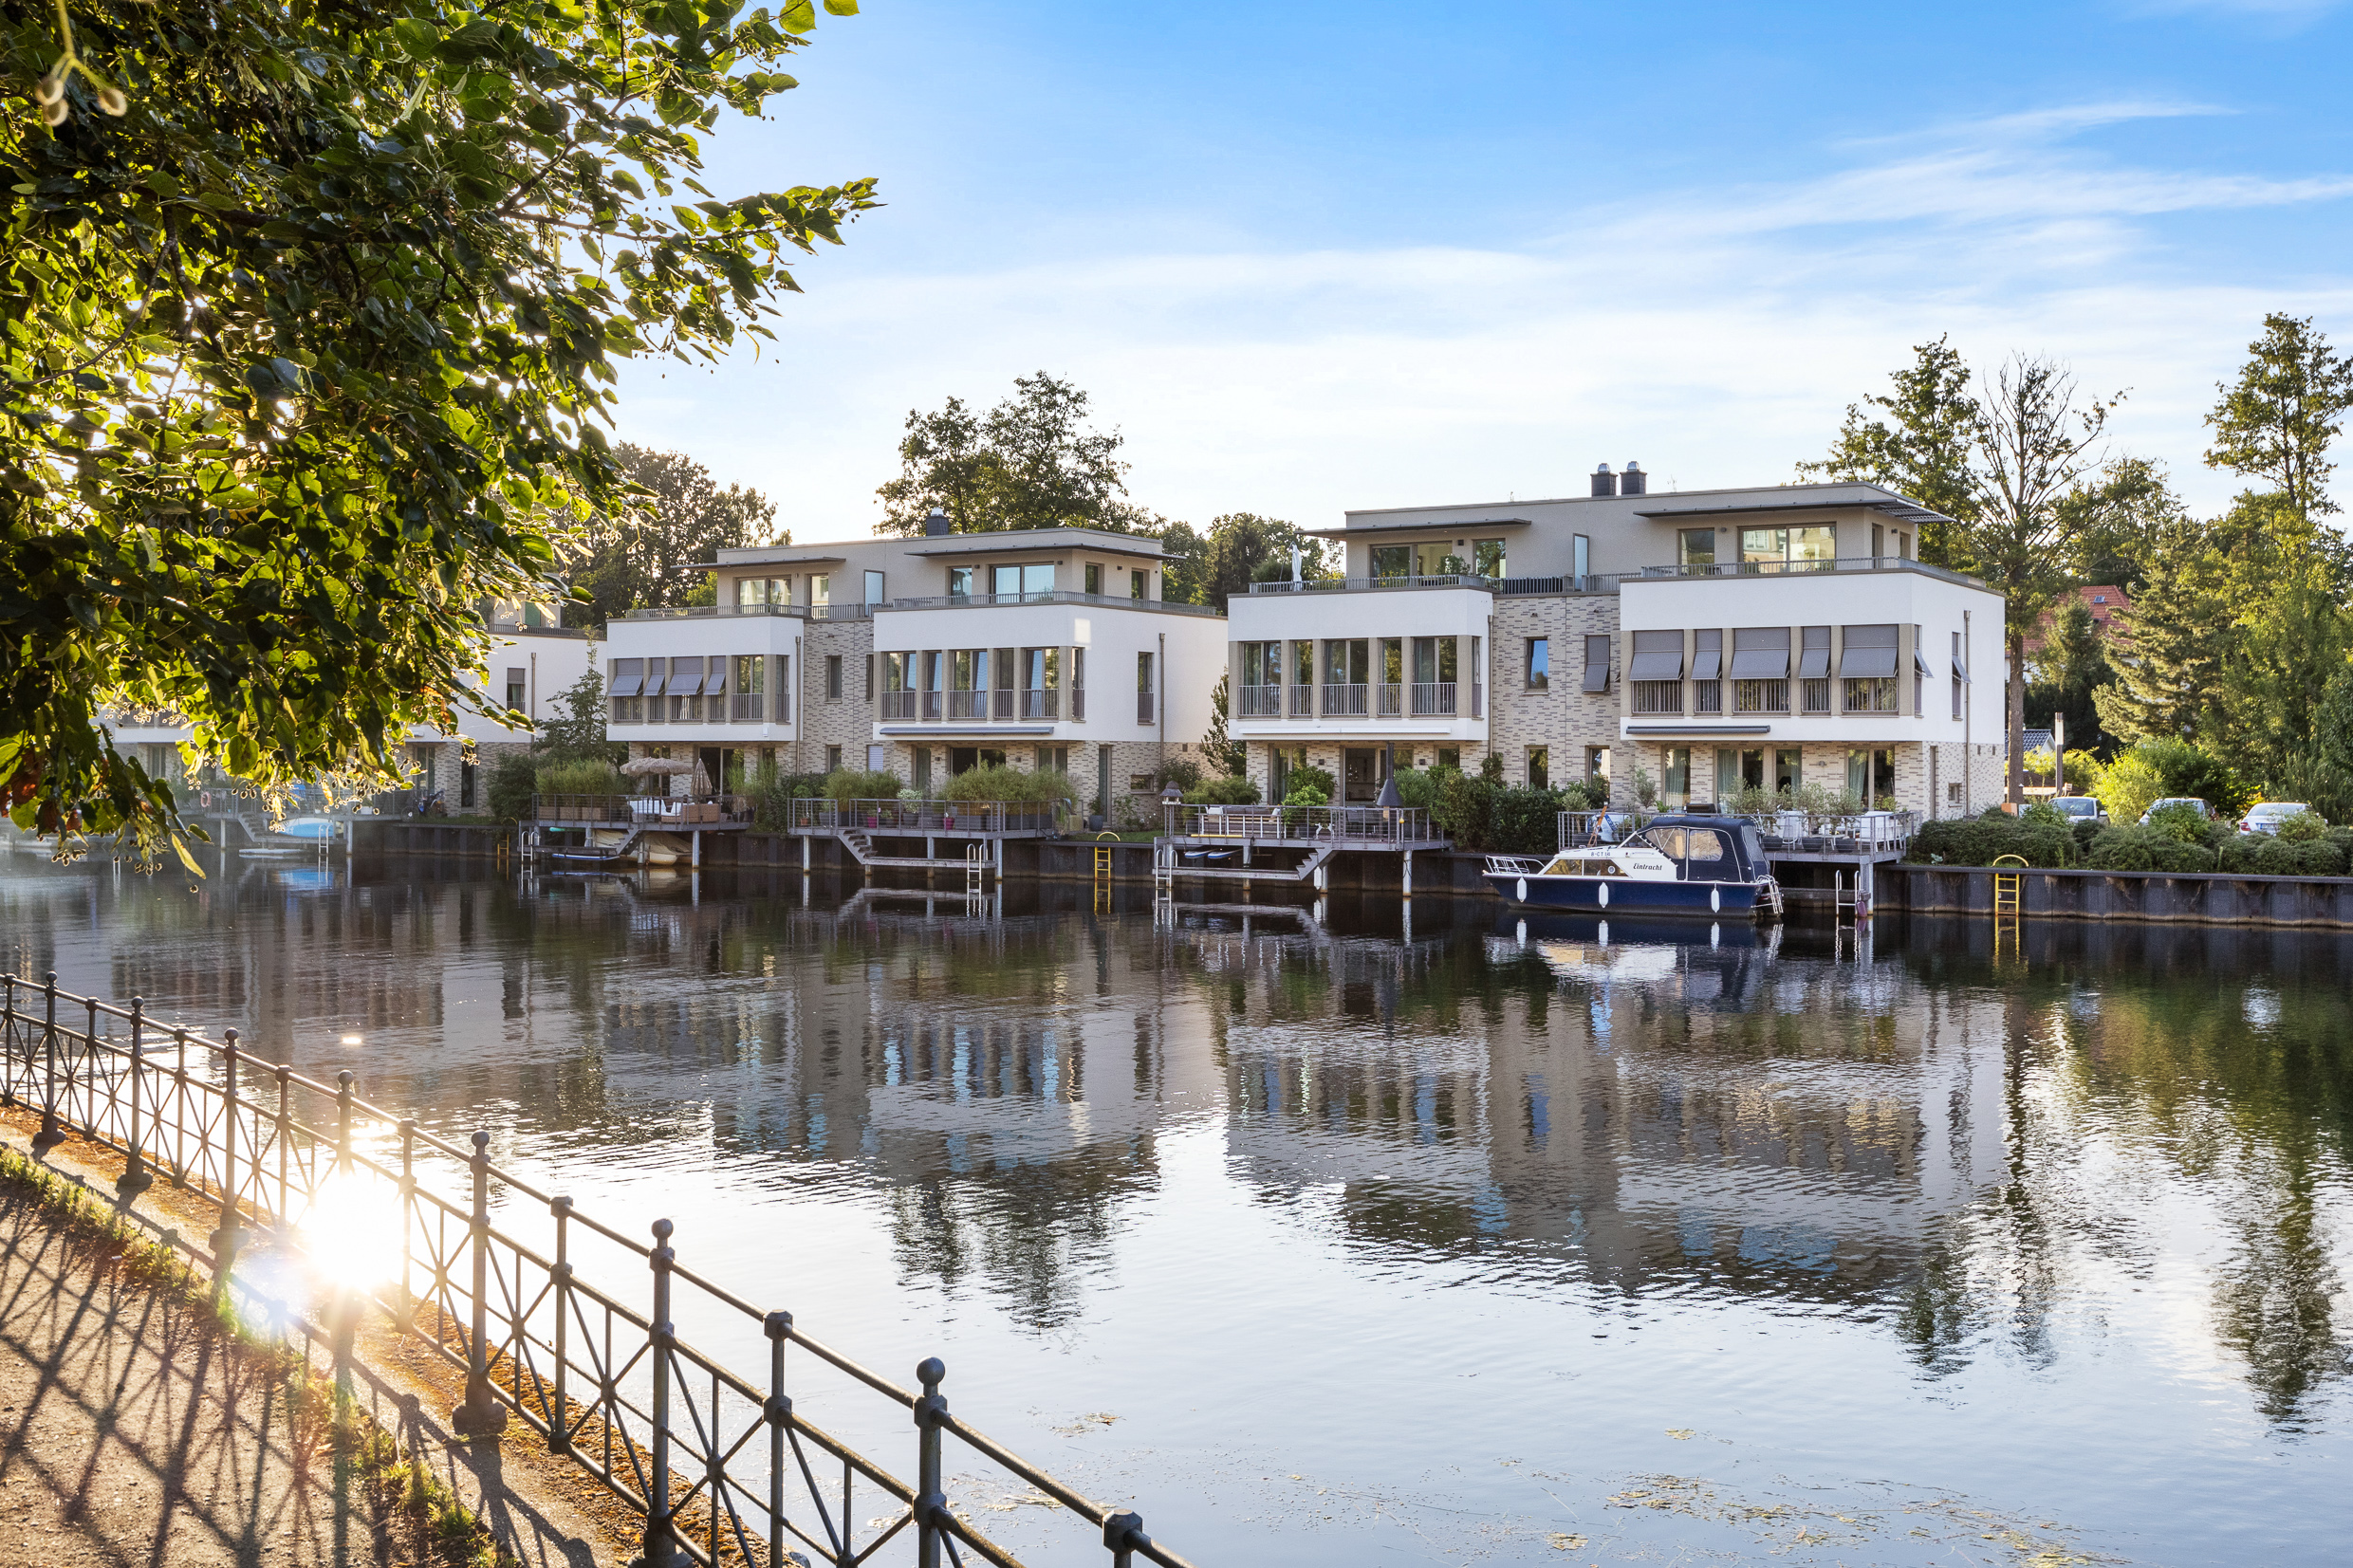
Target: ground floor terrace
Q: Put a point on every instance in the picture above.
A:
(1933, 779)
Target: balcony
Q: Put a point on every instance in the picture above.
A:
(898, 705)
(1057, 596)
(1800, 568)
(1078, 704)
(968, 705)
(1345, 701)
(1258, 702)
(1303, 702)
(1041, 703)
(1433, 699)
(719, 612)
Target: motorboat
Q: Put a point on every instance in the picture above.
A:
(1685, 864)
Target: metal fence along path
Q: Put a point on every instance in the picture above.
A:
(717, 1460)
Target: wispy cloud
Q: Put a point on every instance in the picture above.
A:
(1714, 333)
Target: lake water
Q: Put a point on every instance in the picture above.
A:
(1349, 1243)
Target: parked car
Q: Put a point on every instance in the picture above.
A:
(2267, 817)
(2079, 808)
(2155, 807)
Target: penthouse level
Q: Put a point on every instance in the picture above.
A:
(1050, 649)
(1808, 645)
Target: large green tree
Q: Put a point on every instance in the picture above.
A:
(635, 555)
(311, 309)
(1917, 440)
(1033, 461)
(2276, 421)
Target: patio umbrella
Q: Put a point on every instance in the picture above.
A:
(640, 766)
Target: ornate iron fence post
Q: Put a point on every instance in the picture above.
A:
(481, 1415)
(136, 1178)
(407, 1305)
(89, 1070)
(225, 1238)
(286, 1123)
(931, 1504)
(1122, 1533)
(778, 1327)
(661, 1543)
(52, 1134)
(560, 1277)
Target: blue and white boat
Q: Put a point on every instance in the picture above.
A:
(1680, 866)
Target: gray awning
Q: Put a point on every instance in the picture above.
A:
(1961, 671)
(715, 684)
(629, 684)
(689, 681)
(1706, 663)
(1657, 667)
(1866, 663)
(1760, 663)
(1813, 664)
(1597, 677)
(1920, 662)
(657, 677)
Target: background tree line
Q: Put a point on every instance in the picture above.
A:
(2237, 636)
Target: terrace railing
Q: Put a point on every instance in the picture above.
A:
(1369, 827)
(1794, 830)
(720, 1462)
(820, 814)
(654, 811)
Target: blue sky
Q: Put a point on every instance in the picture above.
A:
(1311, 257)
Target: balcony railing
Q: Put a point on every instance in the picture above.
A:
(1803, 568)
(932, 704)
(819, 814)
(1338, 825)
(712, 612)
(898, 705)
(1609, 582)
(1303, 702)
(1345, 701)
(1434, 698)
(968, 705)
(1057, 596)
(1258, 702)
(1364, 584)
(1392, 699)
(1004, 703)
(1041, 702)
(1078, 704)
(1791, 830)
(650, 811)
(748, 707)
(1760, 696)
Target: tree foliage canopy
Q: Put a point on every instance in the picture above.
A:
(674, 516)
(304, 352)
(2276, 421)
(1032, 462)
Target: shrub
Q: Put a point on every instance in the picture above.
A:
(2303, 827)
(581, 777)
(1181, 772)
(1318, 779)
(858, 783)
(1981, 841)
(513, 782)
(2183, 823)
(1466, 809)
(2132, 847)
(2264, 855)
(1225, 790)
(2328, 789)
(1418, 787)
(2157, 769)
(1527, 821)
(995, 782)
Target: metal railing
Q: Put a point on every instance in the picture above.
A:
(1258, 702)
(1345, 701)
(1803, 568)
(710, 612)
(1392, 699)
(1053, 595)
(1796, 830)
(968, 705)
(1339, 825)
(926, 816)
(1366, 584)
(1041, 702)
(1433, 697)
(654, 811)
(1078, 704)
(719, 1464)
(1303, 701)
(898, 705)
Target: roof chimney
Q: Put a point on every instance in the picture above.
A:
(1603, 483)
(1635, 481)
(935, 524)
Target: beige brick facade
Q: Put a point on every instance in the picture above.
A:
(823, 719)
(1562, 716)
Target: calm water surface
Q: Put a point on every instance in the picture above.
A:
(1355, 1244)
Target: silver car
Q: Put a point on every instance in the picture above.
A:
(2078, 808)
(2267, 817)
(2155, 807)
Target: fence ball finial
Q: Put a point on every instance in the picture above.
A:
(930, 1374)
(661, 1231)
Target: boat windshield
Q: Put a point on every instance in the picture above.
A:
(1705, 843)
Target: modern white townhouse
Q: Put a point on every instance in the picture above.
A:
(1704, 640)
(533, 659)
(1048, 649)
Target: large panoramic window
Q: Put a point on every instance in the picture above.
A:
(1487, 558)
(1391, 562)
(1695, 547)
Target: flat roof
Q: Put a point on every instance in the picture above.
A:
(1444, 523)
(1670, 503)
(1103, 540)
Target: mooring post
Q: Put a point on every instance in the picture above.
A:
(52, 1134)
(931, 1504)
(778, 1327)
(136, 1178)
(481, 1415)
(225, 1238)
(560, 1278)
(661, 1550)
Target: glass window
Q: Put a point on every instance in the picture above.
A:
(1451, 756)
(1704, 843)
(1005, 582)
(1539, 767)
(1139, 584)
(1539, 664)
(1438, 559)
(1759, 546)
(833, 677)
(1487, 556)
(1581, 556)
(1674, 777)
(752, 674)
(1038, 577)
(516, 685)
(1814, 542)
(874, 588)
(1695, 547)
(821, 590)
(751, 591)
(960, 581)
(1390, 560)
(1094, 577)
(833, 759)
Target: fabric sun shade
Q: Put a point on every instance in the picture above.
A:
(1707, 656)
(628, 677)
(1869, 653)
(1814, 662)
(1657, 655)
(686, 678)
(1760, 653)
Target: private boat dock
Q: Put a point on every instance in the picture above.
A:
(1294, 844)
(879, 834)
(1853, 847)
(607, 830)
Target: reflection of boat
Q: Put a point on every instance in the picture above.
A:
(1677, 865)
(1532, 928)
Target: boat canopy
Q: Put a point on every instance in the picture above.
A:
(1708, 848)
